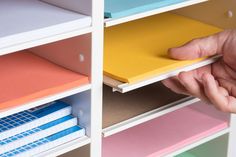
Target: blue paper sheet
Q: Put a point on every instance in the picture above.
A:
(122, 8)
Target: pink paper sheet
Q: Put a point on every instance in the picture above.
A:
(167, 133)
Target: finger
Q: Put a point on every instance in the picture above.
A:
(225, 103)
(201, 47)
(229, 85)
(175, 85)
(192, 85)
(223, 91)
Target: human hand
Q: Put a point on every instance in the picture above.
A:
(215, 83)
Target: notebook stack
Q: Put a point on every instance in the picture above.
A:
(33, 131)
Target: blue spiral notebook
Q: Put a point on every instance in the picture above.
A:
(122, 8)
(46, 143)
(37, 133)
(26, 120)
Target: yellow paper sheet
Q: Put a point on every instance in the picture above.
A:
(137, 50)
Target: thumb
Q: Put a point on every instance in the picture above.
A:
(201, 47)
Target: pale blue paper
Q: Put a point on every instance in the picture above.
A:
(122, 8)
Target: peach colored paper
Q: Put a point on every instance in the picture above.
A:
(25, 77)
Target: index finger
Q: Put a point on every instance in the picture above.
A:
(201, 47)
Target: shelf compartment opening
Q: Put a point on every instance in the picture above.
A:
(81, 109)
(123, 111)
(122, 8)
(168, 133)
(135, 53)
(26, 77)
(119, 107)
(217, 148)
(25, 21)
(118, 12)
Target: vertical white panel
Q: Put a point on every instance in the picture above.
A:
(232, 137)
(81, 108)
(97, 73)
(73, 53)
(221, 13)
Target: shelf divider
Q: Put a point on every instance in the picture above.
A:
(62, 149)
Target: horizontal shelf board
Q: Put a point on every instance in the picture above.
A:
(142, 118)
(24, 21)
(42, 41)
(44, 100)
(119, 12)
(167, 133)
(69, 146)
(126, 62)
(126, 87)
(27, 78)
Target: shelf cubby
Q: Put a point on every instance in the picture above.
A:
(40, 75)
(135, 53)
(81, 109)
(117, 12)
(123, 111)
(51, 50)
(172, 132)
(216, 147)
(29, 23)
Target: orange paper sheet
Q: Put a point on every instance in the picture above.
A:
(25, 77)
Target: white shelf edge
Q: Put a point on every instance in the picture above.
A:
(111, 22)
(44, 100)
(199, 142)
(148, 116)
(125, 87)
(42, 41)
(62, 149)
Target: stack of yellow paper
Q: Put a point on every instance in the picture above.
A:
(137, 50)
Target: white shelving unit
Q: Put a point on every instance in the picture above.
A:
(69, 34)
(125, 122)
(71, 40)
